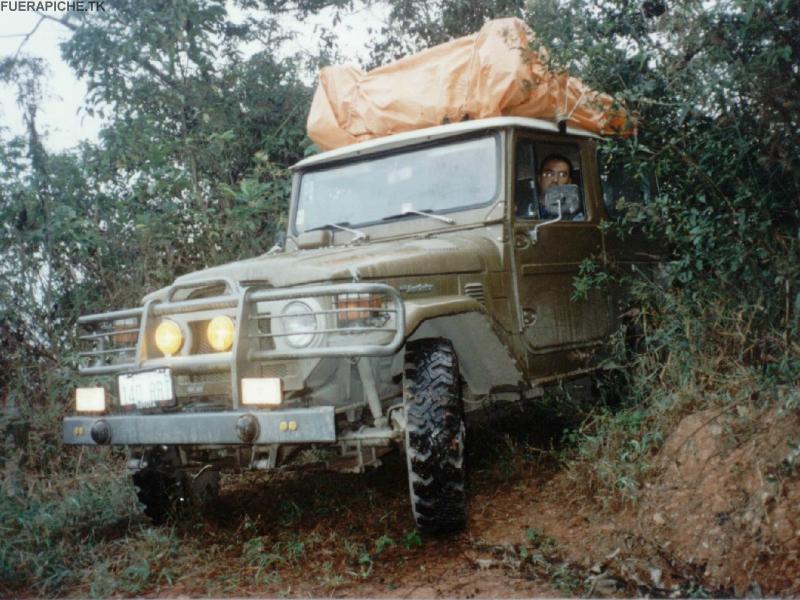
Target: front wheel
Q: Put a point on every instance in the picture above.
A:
(435, 436)
(167, 492)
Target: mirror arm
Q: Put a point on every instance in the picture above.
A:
(534, 233)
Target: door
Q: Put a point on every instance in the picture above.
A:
(560, 331)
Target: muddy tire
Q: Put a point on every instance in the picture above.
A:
(435, 436)
(160, 492)
(168, 493)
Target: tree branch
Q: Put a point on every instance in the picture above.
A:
(146, 65)
(63, 21)
(27, 37)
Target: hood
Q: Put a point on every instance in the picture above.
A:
(465, 252)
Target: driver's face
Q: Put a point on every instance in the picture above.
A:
(554, 172)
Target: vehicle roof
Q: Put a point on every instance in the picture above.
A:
(408, 138)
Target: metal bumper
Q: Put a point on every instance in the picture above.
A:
(307, 425)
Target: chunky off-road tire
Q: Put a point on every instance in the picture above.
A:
(435, 436)
(168, 493)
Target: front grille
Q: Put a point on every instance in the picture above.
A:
(200, 343)
(275, 370)
(263, 323)
(203, 384)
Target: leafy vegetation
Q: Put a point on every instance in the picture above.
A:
(714, 90)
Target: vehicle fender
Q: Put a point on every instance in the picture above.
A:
(485, 360)
(422, 309)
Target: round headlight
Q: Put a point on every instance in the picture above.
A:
(169, 337)
(300, 323)
(220, 333)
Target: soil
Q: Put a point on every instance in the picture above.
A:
(720, 516)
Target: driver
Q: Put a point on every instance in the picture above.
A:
(554, 170)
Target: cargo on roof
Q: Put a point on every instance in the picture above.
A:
(487, 74)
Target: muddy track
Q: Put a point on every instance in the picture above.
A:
(703, 527)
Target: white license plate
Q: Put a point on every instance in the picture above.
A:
(146, 390)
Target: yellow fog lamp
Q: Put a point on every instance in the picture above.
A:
(169, 337)
(92, 400)
(220, 332)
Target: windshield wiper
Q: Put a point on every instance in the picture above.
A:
(357, 235)
(425, 213)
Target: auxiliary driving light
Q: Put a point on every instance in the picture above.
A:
(261, 390)
(169, 337)
(220, 333)
(91, 399)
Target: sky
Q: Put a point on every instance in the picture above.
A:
(63, 121)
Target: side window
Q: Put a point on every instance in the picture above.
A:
(625, 189)
(549, 176)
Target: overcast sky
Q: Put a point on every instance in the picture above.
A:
(62, 119)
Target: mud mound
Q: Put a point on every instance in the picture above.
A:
(721, 516)
(727, 501)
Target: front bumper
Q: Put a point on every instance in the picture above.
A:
(295, 426)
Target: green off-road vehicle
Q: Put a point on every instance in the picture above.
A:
(424, 276)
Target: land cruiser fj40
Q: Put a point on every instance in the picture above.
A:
(424, 276)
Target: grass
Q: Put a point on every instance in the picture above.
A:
(50, 527)
(84, 534)
(691, 359)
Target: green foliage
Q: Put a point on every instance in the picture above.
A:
(416, 24)
(713, 88)
(190, 171)
(139, 564)
(412, 539)
(50, 527)
(382, 543)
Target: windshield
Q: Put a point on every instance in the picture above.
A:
(436, 178)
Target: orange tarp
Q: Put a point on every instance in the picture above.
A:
(487, 74)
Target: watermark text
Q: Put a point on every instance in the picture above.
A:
(52, 5)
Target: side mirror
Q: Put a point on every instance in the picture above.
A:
(567, 196)
(564, 201)
(534, 233)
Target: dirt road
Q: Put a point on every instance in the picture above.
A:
(720, 516)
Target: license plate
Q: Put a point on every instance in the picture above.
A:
(146, 390)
